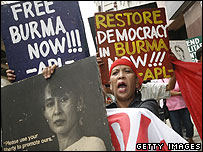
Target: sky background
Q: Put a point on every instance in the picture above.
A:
(88, 8)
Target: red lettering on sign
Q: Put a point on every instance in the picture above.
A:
(124, 122)
(164, 148)
(143, 130)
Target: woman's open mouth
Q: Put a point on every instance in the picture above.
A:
(122, 87)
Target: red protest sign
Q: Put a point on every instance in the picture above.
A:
(140, 35)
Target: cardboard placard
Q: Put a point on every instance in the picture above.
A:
(42, 33)
(180, 50)
(77, 99)
(193, 44)
(140, 35)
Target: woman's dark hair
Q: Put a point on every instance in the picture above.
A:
(107, 85)
(146, 81)
(199, 53)
(59, 85)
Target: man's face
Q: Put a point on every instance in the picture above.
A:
(123, 82)
(60, 112)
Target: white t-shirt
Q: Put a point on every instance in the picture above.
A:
(153, 90)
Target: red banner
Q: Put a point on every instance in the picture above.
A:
(189, 77)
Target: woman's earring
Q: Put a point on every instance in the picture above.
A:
(80, 122)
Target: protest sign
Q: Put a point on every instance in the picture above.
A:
(42, 33)
(140, 35)
(193, 45)
(92, 21)
(26, 107)
(180, 50)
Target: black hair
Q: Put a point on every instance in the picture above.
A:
(199, 53)
(146, 81)
(107, 85)
(59, 85)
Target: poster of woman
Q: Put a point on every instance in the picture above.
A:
(66, 112)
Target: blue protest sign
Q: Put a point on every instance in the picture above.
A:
(38, 34)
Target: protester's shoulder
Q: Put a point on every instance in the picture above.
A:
(150, 104)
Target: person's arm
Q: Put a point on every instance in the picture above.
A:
(175, 93)
(172, 82)
(10, 75)
(99, 60)
(48, 71)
